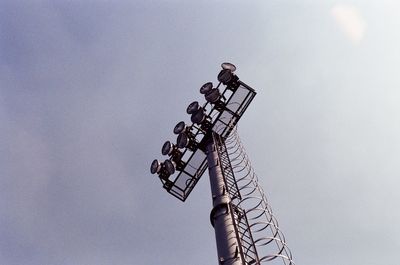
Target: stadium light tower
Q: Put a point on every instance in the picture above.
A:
(246, 231)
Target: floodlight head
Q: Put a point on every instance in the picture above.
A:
(155, 167)
(193, 107)
(213, 95)
(169, 166)
(229, 66)
(186, 140)
(206, 88)
(167, 148)
(180, 127)
(198, 117)
(182, 141)
(225, 76)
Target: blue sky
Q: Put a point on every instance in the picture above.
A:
(90, 90)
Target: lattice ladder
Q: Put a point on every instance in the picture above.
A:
(242, 227)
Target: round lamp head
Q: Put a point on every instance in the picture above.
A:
(169, 166)
(198, 117)
(225, 76)
(182, 141)
(180, 127)
(167, 148)
(155, 166)
(229, 66)
(206, 88)
(193, 107)
(213, 95)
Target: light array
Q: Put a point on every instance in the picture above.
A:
(186, 160)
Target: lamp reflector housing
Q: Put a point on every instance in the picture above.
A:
(169, 166)
(213, 95)
(182, 141)
(193, 107)
(225, 76)
(155, 167)
(229, 66)
(180, 127)
(166, 148)
(206, 88)
(198, 117)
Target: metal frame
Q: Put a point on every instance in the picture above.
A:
(225, 120)
(240, 210)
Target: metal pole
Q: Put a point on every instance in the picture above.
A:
(221, 218)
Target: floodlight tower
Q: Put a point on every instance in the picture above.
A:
(245, 229)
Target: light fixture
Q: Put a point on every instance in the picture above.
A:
(174, 153)
(167, 148)
(155, 166)
(186, 140)
(198, 117)
(164, 169)
(229, 66)
(206, 88)
(225, 76)
(213, 95)
(169, 166)
(182, 141)
(193, 107)
(179, 127)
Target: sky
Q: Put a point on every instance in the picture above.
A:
(90, 90)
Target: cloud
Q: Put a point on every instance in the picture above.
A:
(351, 22)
